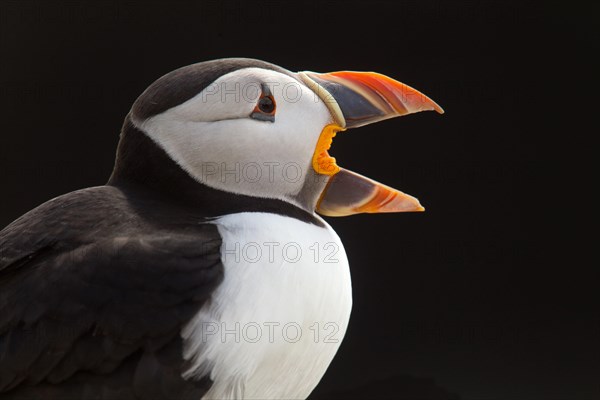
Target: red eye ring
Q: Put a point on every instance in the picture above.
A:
(266, 104)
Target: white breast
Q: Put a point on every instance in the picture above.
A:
(275, 323)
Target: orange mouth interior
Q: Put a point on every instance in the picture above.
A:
(322, 162)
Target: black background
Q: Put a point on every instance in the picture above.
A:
(490, 293)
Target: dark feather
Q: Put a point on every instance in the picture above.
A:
(95, 287)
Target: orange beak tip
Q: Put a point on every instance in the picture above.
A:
(434, 106)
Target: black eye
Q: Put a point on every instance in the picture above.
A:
(266, 105)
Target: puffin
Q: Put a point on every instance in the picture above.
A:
(203, 268)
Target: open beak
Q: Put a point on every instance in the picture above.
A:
(356, 99)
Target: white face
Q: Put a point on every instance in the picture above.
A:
(213, 137)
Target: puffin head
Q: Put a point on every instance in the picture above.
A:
(245, 127)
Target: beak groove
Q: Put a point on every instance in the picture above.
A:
(366, 97)
(349, 193)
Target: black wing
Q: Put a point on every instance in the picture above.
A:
(93, 296)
